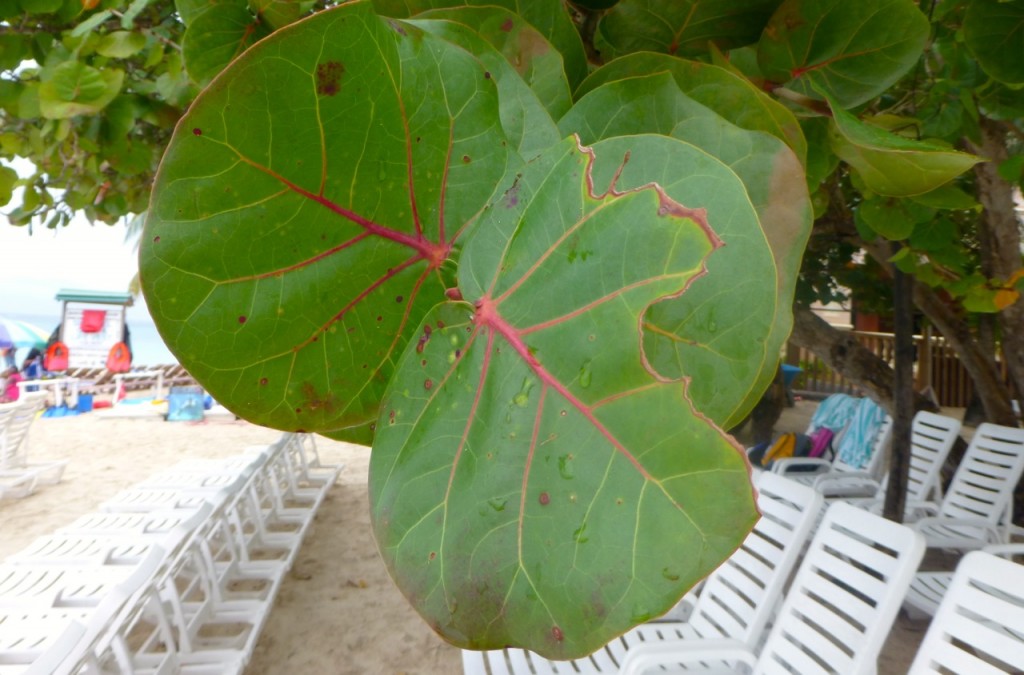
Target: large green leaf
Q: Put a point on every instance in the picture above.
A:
(550, 18)
(527, 123)
(733, 97)
(892, 165)
(74, 88)
(730, 349)
(216, 37)
(852, 50)
(685, 27)
(994, 32)
(295, 240)
(514, 496)
(534, 58)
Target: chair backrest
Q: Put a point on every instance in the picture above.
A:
(14, 452)
(979, 626)
(845, 596)
(741, 595)
(932, 436)
(982, 487)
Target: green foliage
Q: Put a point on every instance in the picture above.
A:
(537, 254)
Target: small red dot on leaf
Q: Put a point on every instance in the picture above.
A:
(544, 499)
(242, 319)
(556, 633)
(428, 384)
(197, 131)
(466, 159)
(263, 381)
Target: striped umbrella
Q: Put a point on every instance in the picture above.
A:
(15, 333)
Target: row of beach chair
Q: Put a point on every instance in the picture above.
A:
(856, 573)
(174, 575)
(20, 477)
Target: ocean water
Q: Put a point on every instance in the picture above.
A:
(148, 349)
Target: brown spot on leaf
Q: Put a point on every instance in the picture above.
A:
(428, 384)
(263, 381)
(466, 159)
(556, 633)
(544, 499)
(197, 131)
(156, 240)
(242, 319)
(328, 77)
(507, 26)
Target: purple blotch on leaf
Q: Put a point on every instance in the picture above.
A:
(197, 131)
(328, 77)
(242, 319)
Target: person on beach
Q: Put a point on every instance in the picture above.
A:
(10, 385)
(32, 367)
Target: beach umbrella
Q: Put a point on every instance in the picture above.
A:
(16, 333)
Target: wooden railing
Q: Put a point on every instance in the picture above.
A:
(936, 366)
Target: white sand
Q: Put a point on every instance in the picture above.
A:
(338, 611)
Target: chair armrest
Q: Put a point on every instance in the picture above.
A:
(803, 465)
(992, 532)
(648, 655)
(1005, 550)
(851, 478)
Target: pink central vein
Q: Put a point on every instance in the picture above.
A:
(487, 315)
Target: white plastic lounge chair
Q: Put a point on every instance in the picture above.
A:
(978, 507)
(737, 601)
(932, 436)
(979, 627)
(35, 639)
(18, 476)
(819, 470)
(837, 613)
(929, 588)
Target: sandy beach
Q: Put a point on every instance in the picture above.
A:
(338, 611)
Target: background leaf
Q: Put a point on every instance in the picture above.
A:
(551, 19)
(732, 97)
(892, 165)
(218, 36)
(527, 124)
(74, 88)
(535, 59)
(684, 27)
(513, 496)
(294, 241)
(994, 32)
(698, 334)
(851, 50)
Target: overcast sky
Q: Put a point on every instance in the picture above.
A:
(90, 257)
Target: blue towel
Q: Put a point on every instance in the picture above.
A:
(858, 443)
(834, 413)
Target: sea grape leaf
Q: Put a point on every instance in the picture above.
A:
(218, 36)
(534, 58)
(121, 44)
(893, 218)
(280, 13)
(853, 51)
(292, 237)
(532, 483)
(729, 349)
(527, 123)
(733, 97)
(74, 88)
(994, 32)
(892, 165)
(684, 27)
(550, 18)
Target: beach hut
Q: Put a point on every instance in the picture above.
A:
(93, 326)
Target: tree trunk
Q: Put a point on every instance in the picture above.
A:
(903, 385)
(841, 352)
(1000, 241)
